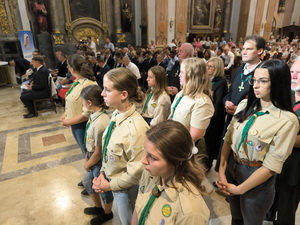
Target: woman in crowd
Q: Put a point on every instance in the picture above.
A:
(171, 185)
(97, 123)
(157, 104)
(76, 114)
(122, 146)
(213, 136)
(192, 106)
(259, 139)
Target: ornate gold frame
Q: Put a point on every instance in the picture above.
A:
(86, 26)
(210, 19)
(6, 10)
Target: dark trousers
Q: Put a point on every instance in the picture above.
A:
(286, 202)
(28, 97)
(251, 207)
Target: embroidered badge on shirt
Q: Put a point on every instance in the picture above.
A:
(112, 158)
(154, 105)
(142, 189)
(259, 147)
(250, 143)
(166, 210)
(253, 132)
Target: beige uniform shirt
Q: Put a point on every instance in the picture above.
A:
(270, 138)
(195, 112)
(98, 123)
(125, 150)
(172, 207)
(158, 109)
(74, 104)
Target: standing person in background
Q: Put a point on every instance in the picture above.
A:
(186, 50)
(176, 178)
(238, 90)
(109, 45)
(214, 132)
(122, 143)
(156, 107)
(98, 121)
(90, 45)
(76, 114)
(259, 139)
(192, 106)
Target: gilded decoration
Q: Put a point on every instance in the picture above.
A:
(84, 32)
(81, 27)
(201, 16)
(4, 19)
(58, 39)
(12, 15)
(121, 38)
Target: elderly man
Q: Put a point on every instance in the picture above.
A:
(36, 89)
(288, 182)
(185, 51)
(228, 57)
(131, 66)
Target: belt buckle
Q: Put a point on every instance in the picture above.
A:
(245, 162)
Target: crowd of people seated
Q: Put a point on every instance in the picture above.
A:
(217, 92)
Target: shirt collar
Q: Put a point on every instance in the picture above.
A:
(81, 80)
(274, 111)
(37, 69)
(95, 115)
(119, 118)
(171, 192)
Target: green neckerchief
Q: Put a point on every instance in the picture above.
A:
(155, 194)
(248, 125)
(174, 107)
(146, 103)
(72, 87)
(107, 138)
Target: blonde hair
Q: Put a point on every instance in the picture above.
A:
(197, 80)
(124, 80)
(219, 66)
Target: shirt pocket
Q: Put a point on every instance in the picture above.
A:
(259, 142)
(184, 113)
(115, 158)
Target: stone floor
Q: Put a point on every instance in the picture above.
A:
(40, 166)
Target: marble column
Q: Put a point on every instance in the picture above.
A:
(56, 16)
(117, 16)
(227, 15)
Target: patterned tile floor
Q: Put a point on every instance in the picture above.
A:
(40, 166)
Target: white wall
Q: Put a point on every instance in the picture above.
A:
(171, 16)
(296, 15)
(235, 15)
(251, 17)
(24, 16)
(137, 15)
(151, 20)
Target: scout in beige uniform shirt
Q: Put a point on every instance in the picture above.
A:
(74, 104)
(195, 112)
(267, 140)
(125, 149)
(158, 109)
(172, 207)
(98, 123)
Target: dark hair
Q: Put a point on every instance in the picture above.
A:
(280, 78)
(161, 81)
(80, 65)
(260, 41)
(93, 93)
(38, 59)
(123, 79)
(175, 144)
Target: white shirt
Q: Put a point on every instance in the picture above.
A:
(229, 59)
(92, 45)
(134, 69)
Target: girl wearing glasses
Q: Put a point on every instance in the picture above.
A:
(259, 139)
(157, 104)
(122, 142)
(176, 178)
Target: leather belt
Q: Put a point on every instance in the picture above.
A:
(246, 162)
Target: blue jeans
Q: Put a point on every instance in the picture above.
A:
(87, 181)
(125, 202)
(78, 131)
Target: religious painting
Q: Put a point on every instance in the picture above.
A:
(84, 8)
(201, 12)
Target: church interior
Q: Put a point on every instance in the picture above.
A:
(40, 161)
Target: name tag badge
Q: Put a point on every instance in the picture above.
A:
(112, 158)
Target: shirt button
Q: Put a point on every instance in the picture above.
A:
(253, 132)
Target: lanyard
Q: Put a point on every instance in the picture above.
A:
(88, 126)
(175, 106)
(107, 138)
(72, 87)
(146, 103)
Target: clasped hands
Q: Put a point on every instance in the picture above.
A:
(100, 184)
(228, 188)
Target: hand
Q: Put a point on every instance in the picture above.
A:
(230, 107)
(230, 188)
(64, 122)
(85, 165)
(172, 90)
(100, 184)
(222, 182)
(29, 86)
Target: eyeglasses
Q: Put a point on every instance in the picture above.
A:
(261, 81)
(210, 67)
